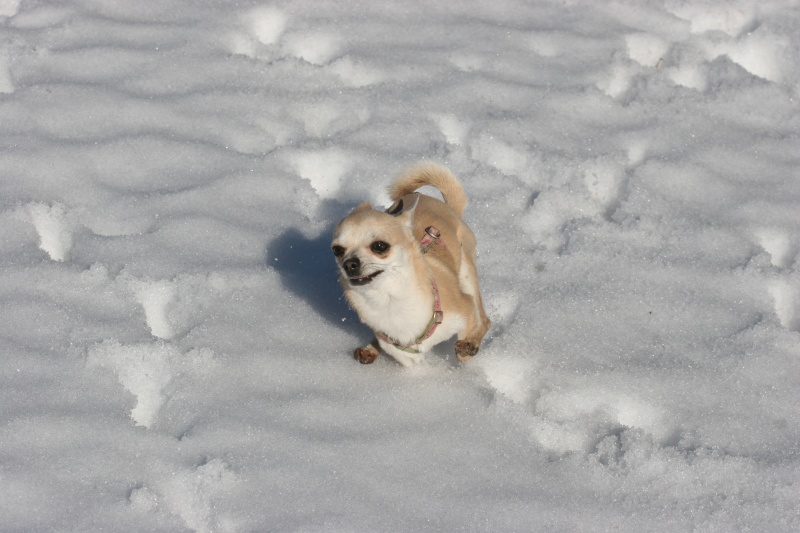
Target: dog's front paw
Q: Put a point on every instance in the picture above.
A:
(366, 355)
(465, 350)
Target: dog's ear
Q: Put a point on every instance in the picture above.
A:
(364, 206)
(396, 208)
(404, 205)
(403, 210)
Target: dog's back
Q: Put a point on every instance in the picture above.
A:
(435, 175)
(453, 259)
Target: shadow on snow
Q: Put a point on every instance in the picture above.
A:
(308, 270)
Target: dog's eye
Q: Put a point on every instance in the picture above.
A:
(379, 247)
(338, 251)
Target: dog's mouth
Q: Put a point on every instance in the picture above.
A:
(364, 280)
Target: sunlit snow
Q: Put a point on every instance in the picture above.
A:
(176, 353)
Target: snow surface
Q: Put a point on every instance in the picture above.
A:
(176, 352)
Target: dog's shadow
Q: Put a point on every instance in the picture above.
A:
(308, 270)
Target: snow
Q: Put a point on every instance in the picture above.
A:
(177, 355)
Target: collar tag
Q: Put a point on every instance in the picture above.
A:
(431, 236)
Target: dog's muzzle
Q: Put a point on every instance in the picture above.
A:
(352, 268)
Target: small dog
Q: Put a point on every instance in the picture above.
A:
(409, 272)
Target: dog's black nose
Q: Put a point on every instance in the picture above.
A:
(352, 266)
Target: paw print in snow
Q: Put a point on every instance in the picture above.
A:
(263, 26)
(55, 226)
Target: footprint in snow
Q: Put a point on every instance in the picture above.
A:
(143, 499)
(146, 370)
(190, 494)
(324, 169)
(507, 372)
(786, 298)
(317, 48)
(502, 309)
(605, 181)
(778, 244)
(734, 19)
(581, 420)
(454, 129)
(617, 83)
(173, 307)
(266, 24)
(637, 152)
(318, 118)
(508, 159)
(157, 298)
(785, 291)
(622, 449)
(55, 226)
(261, 27)
(646, 49)
(326, 118)
(9, 8)
(510, 375)
(356, 73)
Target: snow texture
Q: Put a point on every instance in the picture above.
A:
(176, 352)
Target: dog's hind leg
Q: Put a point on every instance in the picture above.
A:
(477, 324)
(470, 339)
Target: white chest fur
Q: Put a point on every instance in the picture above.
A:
(451, 324)
(402, 310)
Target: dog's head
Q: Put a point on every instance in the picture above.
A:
(370, 244)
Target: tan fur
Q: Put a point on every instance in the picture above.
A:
(426, 173)
(392, 291)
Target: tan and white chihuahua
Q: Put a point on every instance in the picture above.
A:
(409, 271)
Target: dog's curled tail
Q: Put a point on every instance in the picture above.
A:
(426, 173)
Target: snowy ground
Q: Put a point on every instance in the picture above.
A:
(175, 351)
